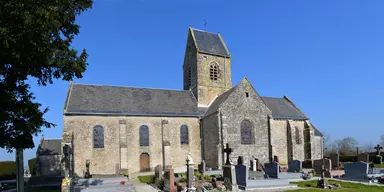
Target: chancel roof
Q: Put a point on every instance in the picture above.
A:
(117, 100)
(210, 43)
(283, 108)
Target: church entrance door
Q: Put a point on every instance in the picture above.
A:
(144, 162)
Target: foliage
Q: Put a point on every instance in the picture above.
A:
(146, 178)
(346, 146)
(32, 166)
(299, 170)
(198, 175)
(126, 174)
(367, 148)
(382, 140)
(183, 180)
(313, 172)
(35, 43)
(345, 186)
(379, 165)
(7, 168)
(207, 178)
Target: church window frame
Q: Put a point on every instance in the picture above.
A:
(214, 71)
(184, 134)
(247, 132)
(189, 76)
(98, 137)
(144, 136)
(298, 137)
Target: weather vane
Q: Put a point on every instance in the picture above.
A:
(205, 25)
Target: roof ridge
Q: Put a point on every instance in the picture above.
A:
(163, 89)
(204, 31)
(271, 97)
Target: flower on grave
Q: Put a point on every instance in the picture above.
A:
(122, 182)
(66, 181)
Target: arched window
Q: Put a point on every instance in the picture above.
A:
(214, 71)
(144, 135)
(297, 135)
(98, 137)
(246, 132)
(184, 139)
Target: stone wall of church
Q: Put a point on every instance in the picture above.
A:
(317, 147)
(190, 66)
(106, 160)
(211, 144)
(244, 103)
(285, 141)
(208, 89)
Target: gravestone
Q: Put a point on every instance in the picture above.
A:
(294, 165)
(276, 159)
(190, 174)
(259, 166)
(229, 172)
(169, 180)
(308, 164)
(356, 170)
(272, 169)
(241, 173)
(253, 164)
(159, 172)
(167, 155)
(317, 165)
(202, 168)
(364, 157)
(334, 161)
(378, 159)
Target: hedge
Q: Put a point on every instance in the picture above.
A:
(32, 166)
(7, 167)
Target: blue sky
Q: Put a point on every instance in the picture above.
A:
(327, 55)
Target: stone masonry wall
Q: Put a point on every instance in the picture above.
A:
(208, 89)
(211, 138)
(279, 140)
(297, 148)
(104, 160)
(317, 147)
(190, 66)
(49, 165)
(239, 107)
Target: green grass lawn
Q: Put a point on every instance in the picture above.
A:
(345, 186)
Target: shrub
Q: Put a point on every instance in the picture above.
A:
(183, 180)
(7, 168)
(198, 175)
(146, 178)
(207, 178)
(32, 166)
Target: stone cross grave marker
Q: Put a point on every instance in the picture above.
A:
(159, 172)
(190, 174)
(229, 173)
(335, 161)
(272, 169)
(364, 157)
(378, 148)
(294, 165)
(241, 173)
(228, 151)
(356, 170)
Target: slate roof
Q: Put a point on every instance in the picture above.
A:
(116, 100)
(210, 43)
(317, 132)
(50, 147)
(283, 108)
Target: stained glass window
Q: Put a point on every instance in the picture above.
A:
(184, 139)
(98, 137)
(144, 135)
(246, 132)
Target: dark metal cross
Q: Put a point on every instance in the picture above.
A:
(228, 151)
(378, 148)
(205, 25)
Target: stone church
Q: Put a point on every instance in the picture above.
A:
(115, 128)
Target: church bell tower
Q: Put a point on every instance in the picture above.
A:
(207, 66)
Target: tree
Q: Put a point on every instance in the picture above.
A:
(35, 42)
(382, 140)
(367, 148)
(345, 146)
